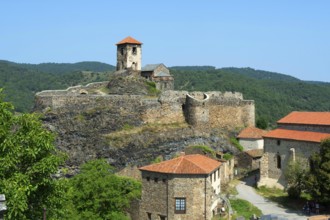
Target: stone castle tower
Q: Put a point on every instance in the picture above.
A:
(129, 54)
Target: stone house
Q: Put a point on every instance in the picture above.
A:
(227, 168)
(159, 74)
(251, 138)
(186, 187)
(249, 160)
(299, 134)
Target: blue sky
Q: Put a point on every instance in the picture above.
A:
(285, 36)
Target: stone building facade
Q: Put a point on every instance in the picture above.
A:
(159, 74)
(187, 187)
(299, 134)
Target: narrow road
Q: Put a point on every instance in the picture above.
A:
(246, 192)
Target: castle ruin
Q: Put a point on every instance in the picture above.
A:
(83, 109)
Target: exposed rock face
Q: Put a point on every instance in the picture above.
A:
(134, 127)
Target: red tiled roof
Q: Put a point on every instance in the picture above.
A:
(307, 118)
(297, 135)
(187, 164)
(129, 40)
(252, 132)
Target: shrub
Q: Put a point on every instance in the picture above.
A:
(234, 141)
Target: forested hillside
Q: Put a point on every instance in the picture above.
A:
(22, 81)
(275, 94)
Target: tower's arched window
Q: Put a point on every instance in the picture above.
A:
(278, 161)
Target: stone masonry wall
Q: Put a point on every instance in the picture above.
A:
(154, 195)
(193, 188)
(302, 150)
(158, 197)
(224, 110)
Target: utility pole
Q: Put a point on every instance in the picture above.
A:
(45, 217)
(3, 207)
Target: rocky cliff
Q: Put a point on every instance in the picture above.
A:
(128, 122)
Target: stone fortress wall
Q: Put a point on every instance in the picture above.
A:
(213, 109)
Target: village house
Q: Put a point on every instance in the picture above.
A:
(299, 134)
(186, 187)
(251, 139)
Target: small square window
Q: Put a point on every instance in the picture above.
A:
(164, 180)
(156, 180)
(180, 205)
(278, 142)
(134, 50)
(148, 178)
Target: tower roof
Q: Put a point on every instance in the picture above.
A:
(187, 164)
(129, 40)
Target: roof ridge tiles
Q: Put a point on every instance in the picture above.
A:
(186, 164)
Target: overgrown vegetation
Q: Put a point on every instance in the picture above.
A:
(240, 207)
(125, 135)
(296, 174)
(28, 158)
(318, 179)
(244, 208)
(29, 163)
(281, 197)
(97, 193)
(157, 159)
(235, 142)
(204, 149)
(152, 90)
(228, 156)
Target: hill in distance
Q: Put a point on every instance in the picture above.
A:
(275, 94)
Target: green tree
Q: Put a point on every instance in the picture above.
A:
(295, 175)
(28, 158)
(262, 123)
(97, 193)
(318, 180)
